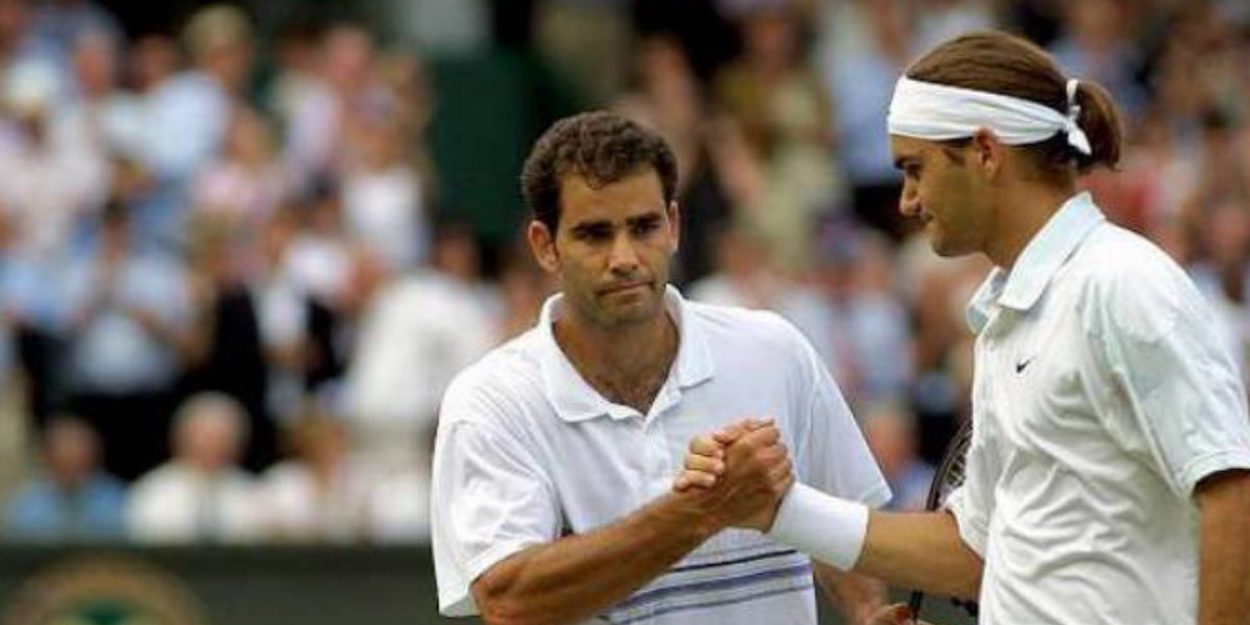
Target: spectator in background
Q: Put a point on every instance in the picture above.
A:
(247, 184)
(296, 49)
(56, 26)
(744, 274)
(323, 113)
(856, 278)
(73, 499)
(200, 495)
(50, 187)
(523, 287)
(935, 291)
(284, 313)
(99, 120)
(890, 430)
(414, 335)
(1096, 46)
(189, 113)
(587, 43)
(1223, 274)
(940, 20)
(226, 352)
(130, 319)
(785, 116)
(321, 258)
(322, 493)
(384, 207)
(747, 277)
(861, 80)
(152, 60)
(14, 30)
(457, 253)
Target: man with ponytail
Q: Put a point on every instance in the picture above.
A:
(1108, 476)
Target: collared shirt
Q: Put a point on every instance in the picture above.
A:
(527, 451)
(1102, 396)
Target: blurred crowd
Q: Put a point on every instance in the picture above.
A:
(228, 311)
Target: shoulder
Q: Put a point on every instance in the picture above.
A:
(107, 485)
(1130, 283)
(34, 492)
(735, 333)
(505, 378)
(162, 479)
(744, 328)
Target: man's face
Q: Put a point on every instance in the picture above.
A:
(612, 248)
(943, 194)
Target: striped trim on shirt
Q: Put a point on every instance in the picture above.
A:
(712, 580)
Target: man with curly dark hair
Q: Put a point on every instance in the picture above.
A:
(551, 499)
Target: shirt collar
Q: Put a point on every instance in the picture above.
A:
(575, 399)
(1021, 287)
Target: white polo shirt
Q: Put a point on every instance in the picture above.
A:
(527, 451)
(1102, 396)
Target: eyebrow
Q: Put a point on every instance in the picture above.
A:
(588, 227)
(600, 224)
(645, 218)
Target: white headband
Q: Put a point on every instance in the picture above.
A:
(925, 110)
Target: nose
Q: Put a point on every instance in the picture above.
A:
(623, 257)
(909, 200)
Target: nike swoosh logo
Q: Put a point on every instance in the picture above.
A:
(1022, 364)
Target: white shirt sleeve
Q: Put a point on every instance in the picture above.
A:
(972, 502)
(1177, 392)
(489, 500)
(833, 455)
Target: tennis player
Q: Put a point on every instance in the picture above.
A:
(556, 452)
(1107, 475)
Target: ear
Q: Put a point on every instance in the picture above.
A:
(543, 244)
(987, 152)
(674, 226)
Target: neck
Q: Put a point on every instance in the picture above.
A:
(627, 365)
(1021, 215)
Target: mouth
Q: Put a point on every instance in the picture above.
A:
(625, 287)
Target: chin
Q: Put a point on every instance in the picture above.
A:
(632, 313)
(946, 248)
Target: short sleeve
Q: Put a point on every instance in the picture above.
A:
(973, 500)
(489, 500)
(1176, 389)
(834, 457)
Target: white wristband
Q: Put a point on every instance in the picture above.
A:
(824, 527)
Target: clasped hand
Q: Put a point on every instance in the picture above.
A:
(741, 472)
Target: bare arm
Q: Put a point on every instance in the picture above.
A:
(577, 577)
(858, 596)
(913, 550)
(920, 550)
(1224, 581)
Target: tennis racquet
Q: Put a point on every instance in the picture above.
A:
(950, 474)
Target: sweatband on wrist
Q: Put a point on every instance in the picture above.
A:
(824, 527)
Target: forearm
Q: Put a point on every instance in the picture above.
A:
(858, 596)
(576, 577)
(922, 551)
(1224, 580)
(919, 550)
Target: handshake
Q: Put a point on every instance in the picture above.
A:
(738, 475)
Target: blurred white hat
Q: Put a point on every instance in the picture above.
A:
(30, 87)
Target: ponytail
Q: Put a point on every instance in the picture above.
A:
(1100, 119)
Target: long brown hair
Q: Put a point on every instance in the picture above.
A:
(1001, 63)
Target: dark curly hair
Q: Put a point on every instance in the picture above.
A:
(600, 147)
